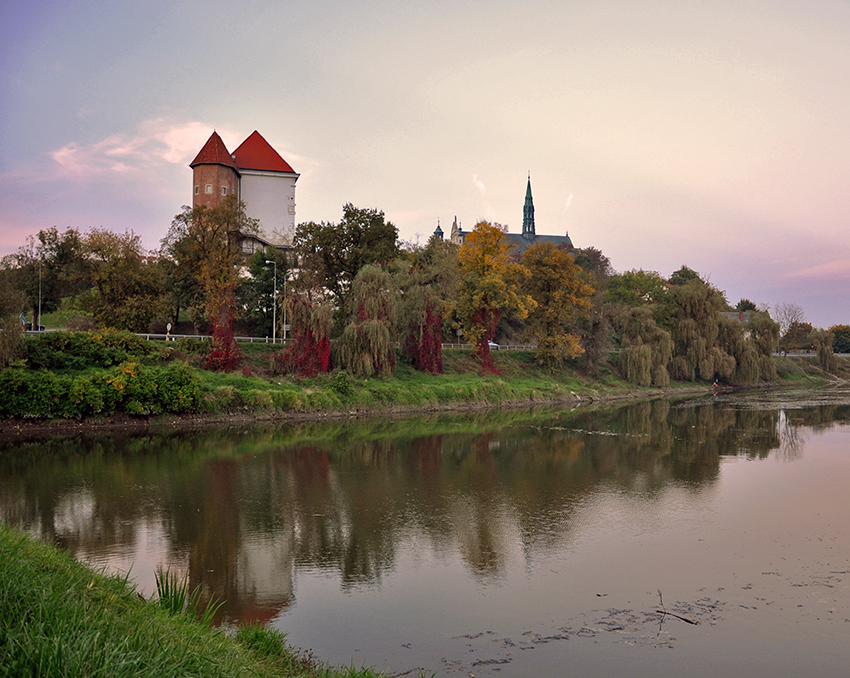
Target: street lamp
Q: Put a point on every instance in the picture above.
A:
(274, 311)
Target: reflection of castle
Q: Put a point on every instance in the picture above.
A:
(257, 175)
(520, 241)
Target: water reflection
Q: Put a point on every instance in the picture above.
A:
(244, 510)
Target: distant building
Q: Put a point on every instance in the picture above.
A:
(257, 175)
(522, 240)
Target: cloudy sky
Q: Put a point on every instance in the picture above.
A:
(712, 134)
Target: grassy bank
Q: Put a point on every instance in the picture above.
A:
(100, 374)
(60, 618)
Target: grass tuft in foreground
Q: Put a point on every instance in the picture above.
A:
(59, 618)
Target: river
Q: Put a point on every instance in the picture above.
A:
(667, 537)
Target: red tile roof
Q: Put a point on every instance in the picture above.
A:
(214, 152)
(257, 154)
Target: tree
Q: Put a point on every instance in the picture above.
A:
(426, 279)
(366, 346)
(11, 336)
(127, 292)
(636, 288)
(841, 338)
(255, 293)
(47, 269)
(562, 297)
(309, 353)
(697, 352)
(786, 314)
(646, 348)
(683, 276)
(798, 337)
(337, 252)
(822, 342)
(597, 327)
(203, 246)
(490, 287)
(745, 305)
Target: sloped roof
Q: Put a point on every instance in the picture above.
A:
(214, 152)
(256, 153)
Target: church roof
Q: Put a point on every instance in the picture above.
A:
(256, 153)
(214, 152)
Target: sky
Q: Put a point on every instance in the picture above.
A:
(709, 134)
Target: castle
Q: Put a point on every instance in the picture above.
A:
(521, 241)
(258, 176)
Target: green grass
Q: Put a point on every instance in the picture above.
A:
(60, 618)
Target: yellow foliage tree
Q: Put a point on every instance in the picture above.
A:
(562, 297)
(491, 287)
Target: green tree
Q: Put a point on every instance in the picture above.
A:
(47, 269)
(646, 347)
(683, 276)
(597, 328)
(637, 288)
(335, 253)
(841, 338)
(562, 298)
(745, 305)
(11, 336)
(822, 342)
(798, 337)
(255, 293)
(427, 278)
(366, 345)
(128, 291)
(491, 287)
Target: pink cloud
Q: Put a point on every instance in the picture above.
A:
(156, 142)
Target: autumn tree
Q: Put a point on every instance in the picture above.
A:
(427, 280)
(204, 245)
(561, 298)
(308, 354)
(128, 290)
(366, 346)
(490, 288)
(797, 337)
(337, 252)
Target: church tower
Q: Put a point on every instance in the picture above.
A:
(214, 173)
(528, 214)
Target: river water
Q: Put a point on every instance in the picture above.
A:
(689, 537)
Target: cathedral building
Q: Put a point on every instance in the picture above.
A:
(257, 175)
(521, 241)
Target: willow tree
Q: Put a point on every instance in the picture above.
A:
(695, 332)
(822, 341)
(366, 346)
(562, 297)
(309, 353)
(490, 287)
(763, 335)
(427, 281)
(646, 347)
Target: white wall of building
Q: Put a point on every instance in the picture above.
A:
(270, 197)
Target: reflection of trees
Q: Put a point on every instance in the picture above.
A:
(241, 510)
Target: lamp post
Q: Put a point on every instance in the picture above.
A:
(274, 311)
(285, 276)
(38, 324)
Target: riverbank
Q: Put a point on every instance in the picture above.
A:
(61, 618)
(153, 386)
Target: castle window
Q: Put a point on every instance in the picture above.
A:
(208, 188)
(197, 189)
(224, 190)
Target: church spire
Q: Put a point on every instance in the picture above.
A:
(528, 213)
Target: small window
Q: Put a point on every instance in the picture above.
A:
(224, 190)
(208, 188)
(197, 189)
